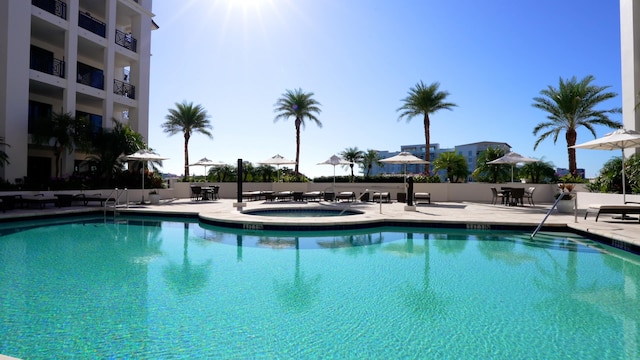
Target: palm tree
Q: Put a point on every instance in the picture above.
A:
(424, 100)
(489, 172)
(354, 156)
(187, 119)
(61, 127)
(301, 106)
(570, 106)
(455, 165)
(370, 158)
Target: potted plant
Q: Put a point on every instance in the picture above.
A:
(154, 197)
(566, 195)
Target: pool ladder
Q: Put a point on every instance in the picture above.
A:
(549, 213)
(113, 200)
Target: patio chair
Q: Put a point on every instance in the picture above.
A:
(516, 196)
(528, 194)
(496, 196)
(196, 192)
(422, 196)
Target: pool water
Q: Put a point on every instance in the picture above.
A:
(162, 288)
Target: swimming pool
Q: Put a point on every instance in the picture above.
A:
(161, 288)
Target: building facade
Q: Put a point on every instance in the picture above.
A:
(473, 150)
(89, 58)
(630, 65)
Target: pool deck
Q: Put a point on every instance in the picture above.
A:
(622, 234)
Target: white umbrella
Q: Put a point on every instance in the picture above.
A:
(512, 158)
(404, 158)
(335, 160)
(619, 139)
(277, 160)
(144, 155)
(206, 162)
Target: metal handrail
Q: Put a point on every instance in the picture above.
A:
(548, 213)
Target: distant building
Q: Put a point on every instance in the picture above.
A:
(469, 151)
(473, 150)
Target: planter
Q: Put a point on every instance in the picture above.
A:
(154, 199)
(565, 206)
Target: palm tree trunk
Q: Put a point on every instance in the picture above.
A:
(186, 155)
(571, 137)
(427, 137)
(298, 121)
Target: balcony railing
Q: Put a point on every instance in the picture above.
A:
(46, 65)
(88, 75)
(125, 89)
(86, 21)
(56, 7)
(126, 40)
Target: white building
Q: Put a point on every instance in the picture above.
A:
(630, 48)
(84, 57)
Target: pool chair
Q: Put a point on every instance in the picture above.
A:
(381, 196)
(619, 209)
(422, 197)
(196, 192)
(346, 196)
(313, 196)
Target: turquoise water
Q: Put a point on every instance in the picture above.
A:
(166, 289)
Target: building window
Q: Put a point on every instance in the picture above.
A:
(95, 121)
(38, 113)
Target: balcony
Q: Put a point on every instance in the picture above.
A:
(126, 40)
(88, 75)
(51, 66)
(55, 7)
(86, 21)
(125, 89)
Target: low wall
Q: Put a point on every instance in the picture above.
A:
(444, 192)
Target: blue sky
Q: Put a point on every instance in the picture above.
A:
(360, 58)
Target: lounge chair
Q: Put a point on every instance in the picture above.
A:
(346, 195)
(621, 209)
(312, 196)
(280, 196)
(424, 196)
(38, 200)
(381, 196)
(87, 198)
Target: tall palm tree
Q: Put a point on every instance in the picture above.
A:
(570, 106)
(370, 158)
(187, 119)
(354, 155)
(301, 106)
(424, 100)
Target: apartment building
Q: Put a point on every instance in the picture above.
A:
(630, 64)
(90, 58)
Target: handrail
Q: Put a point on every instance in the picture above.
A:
(546, 216)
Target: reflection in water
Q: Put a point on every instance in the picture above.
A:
(302, 292)
(186, 278)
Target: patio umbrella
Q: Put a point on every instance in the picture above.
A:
(144, 155)
(404, 158)
(206, 162)
(277, 160)
(512, 158)
(619, 139)
(335, 160)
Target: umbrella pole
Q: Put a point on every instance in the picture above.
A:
(624, 181)
(511, 172)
